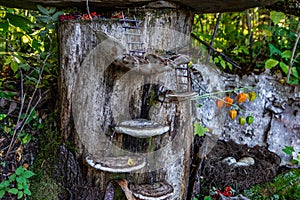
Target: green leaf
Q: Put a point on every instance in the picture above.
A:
(14, 66)
(223, 64)
(274, 50)
(270, 63)
(284, 67)
(276, 16)
(52, 10)
(28, 174)
(286, 54)
(207, 198)
(43, 10)
(199, 130)
(44, 18)
(12, 178)
(27, 192)
(4, 27)
(21, 179)
(20, 170)
(13, 191)
(20, 194)
(295, 72)
(56, 16)
(20, 186)
(288, 150)
(19, 21)
(2, 193)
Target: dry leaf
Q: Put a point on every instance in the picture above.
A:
(19, 152)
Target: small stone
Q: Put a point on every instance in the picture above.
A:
(229, 160)
(244, 162)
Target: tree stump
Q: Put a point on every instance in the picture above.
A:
(125, 103)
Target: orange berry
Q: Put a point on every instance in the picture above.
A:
(228, 101)
(232, 114)
(219, 103)
(241, 97)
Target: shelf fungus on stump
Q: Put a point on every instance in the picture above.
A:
(141, 128)
(118, 164)
(155, 191)
(182, 95)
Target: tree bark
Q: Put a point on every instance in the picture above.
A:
(98, 93)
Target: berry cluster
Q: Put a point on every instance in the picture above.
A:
(240, 98)
(93, 15)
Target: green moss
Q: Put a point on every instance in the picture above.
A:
(284, 186)
(43, 185)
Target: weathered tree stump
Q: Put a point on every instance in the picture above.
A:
(128, 111)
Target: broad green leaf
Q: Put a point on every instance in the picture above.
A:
(216, 60)
(295, 72)
(2, 193)
(44, 18)
(13, 191)
(199, 130)
(286, 54)
(20, 186)
(288, 150)
(43, 10)
(267, 32)
(19, 21)
(207, 198)
(20, 194)
(14, 66)
(20, 170)
(20, 179)
(274, 50)
(284, 67)
(270, 63)
(223, 64)
(56, 16)
(4, 27)
(51, 10)
(27, 192)
(28, 174)
(276, 16)
(12, 178)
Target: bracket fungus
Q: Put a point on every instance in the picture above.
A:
(141, 128)
(155, 191)
(118, 164)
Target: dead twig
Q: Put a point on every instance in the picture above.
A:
(214, 36)
(293, 53)
(226, 58)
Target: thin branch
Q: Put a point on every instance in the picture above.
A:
(214, 36)
(21, 123)
(88, 10)
(294, 51)
(226, 58)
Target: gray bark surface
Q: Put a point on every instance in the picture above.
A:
(95, 98)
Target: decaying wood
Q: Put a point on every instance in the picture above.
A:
(113, 93)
